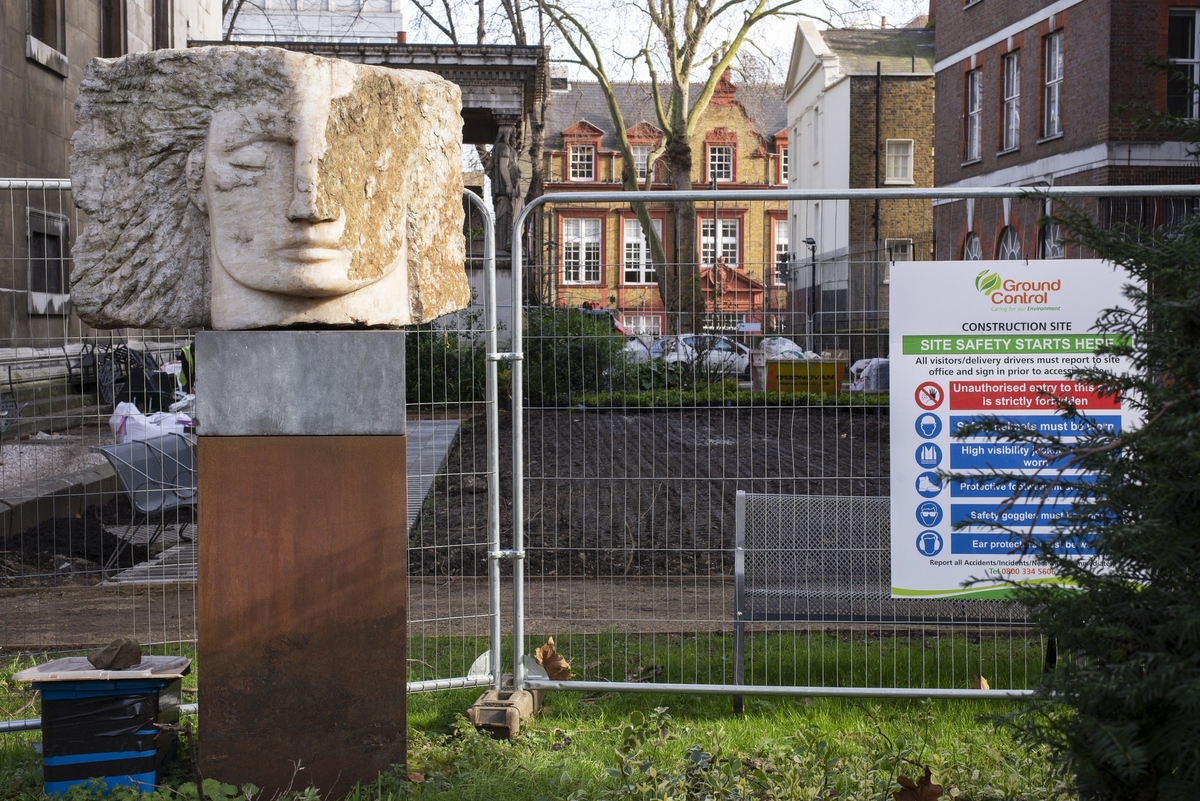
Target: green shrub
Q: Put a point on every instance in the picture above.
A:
(445, 365)
(1122, 704)
(569, 352)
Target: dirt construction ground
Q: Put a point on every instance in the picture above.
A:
(629, 525)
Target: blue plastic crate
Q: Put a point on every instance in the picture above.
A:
(140, 769)
(101, 725)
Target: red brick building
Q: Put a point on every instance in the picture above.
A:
(597, 255)
(1035, 93)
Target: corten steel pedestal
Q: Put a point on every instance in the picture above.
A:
(302, 556)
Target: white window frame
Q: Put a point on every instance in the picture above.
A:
(581, 249)
(898, 160)
(974, 122)
(1053, 85)
(46, 301)
(641, 160)
(582, 160)
(898, 249)
(730, 238)
(647, 325)
(784, 163)
(1011, 136)
(635, 252)
(1052, 242)
(720, 163)
(782, 239)
(1009, 246)
(1186, 66)
(972, 247)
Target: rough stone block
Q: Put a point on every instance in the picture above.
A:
(234, 188)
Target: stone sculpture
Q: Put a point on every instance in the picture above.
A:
(506, 182)
(235, 188)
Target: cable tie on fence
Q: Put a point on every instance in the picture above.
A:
(505, 357)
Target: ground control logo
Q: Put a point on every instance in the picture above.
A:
(1007, 292)
(987, 281)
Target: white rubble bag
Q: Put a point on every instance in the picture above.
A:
(128, 424)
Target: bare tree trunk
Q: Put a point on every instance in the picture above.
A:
(681, 295)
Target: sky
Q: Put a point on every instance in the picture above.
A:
(772, 39)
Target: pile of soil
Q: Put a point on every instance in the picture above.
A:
(67, 550)
(641, 493)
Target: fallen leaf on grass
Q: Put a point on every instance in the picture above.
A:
(922, 790)
(980, 683)
(557, 667)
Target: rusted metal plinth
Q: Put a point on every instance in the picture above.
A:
(303, 564)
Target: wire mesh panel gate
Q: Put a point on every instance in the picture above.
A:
(654, 449)
(79, 568)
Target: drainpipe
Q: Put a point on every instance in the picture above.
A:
(878, 132)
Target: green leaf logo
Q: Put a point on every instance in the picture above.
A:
(987, 281)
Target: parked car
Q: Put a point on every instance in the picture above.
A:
(636, 350)
(710, 352)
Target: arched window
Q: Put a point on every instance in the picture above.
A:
(972, 250)
(1010, 245)
(1052, 243)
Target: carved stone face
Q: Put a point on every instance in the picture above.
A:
(269, 229)
(322, 193)
(305, 200)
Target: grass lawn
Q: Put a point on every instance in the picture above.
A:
(609, 746)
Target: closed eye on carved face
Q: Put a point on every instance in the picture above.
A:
(247, 156)
(243, 163)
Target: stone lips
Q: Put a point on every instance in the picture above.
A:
(391, 160)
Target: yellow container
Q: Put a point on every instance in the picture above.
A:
(815, 376)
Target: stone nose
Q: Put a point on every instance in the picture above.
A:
(309, 203)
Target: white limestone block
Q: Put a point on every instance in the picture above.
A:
(236, 188)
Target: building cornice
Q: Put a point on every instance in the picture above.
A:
(1001, 35)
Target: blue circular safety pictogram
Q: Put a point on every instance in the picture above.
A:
(929, 514)
(929, 543)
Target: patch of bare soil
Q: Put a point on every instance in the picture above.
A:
(632, 493)
(68, 550)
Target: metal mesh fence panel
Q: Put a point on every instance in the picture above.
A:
(79, 567)
(642, 419)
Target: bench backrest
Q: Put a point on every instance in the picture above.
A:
(829, 558)
(157, 474)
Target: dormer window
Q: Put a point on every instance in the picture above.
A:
(583, 162)
(641, 157)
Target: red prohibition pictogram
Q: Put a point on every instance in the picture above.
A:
(930, 396)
